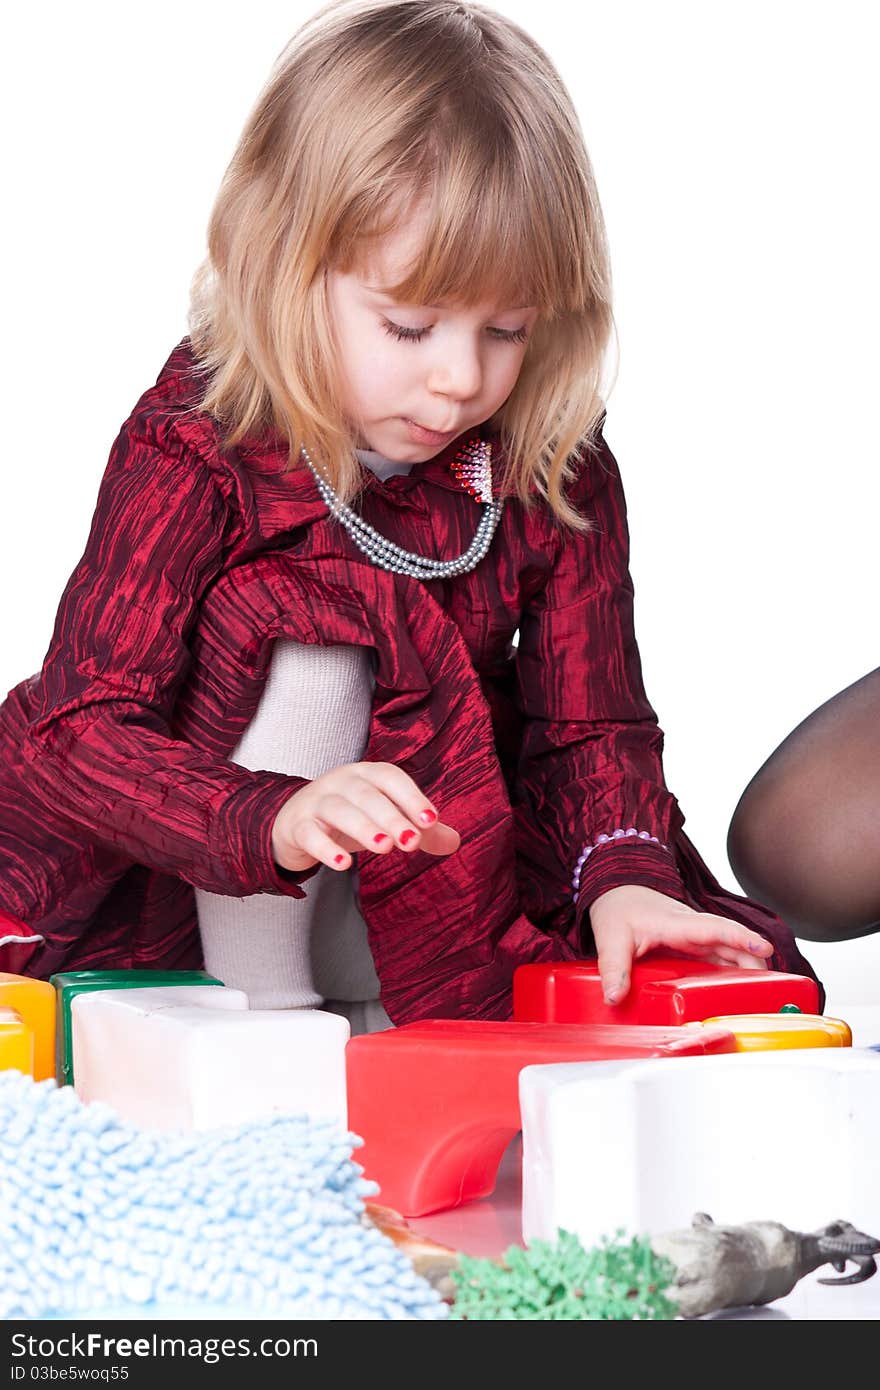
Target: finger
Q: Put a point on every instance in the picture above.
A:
(401, 790)
(736, 959)
(311, 836)
(368, 817)
(716, 953)
(742, 940)
(381, 816)
(440, 839)
(436, 838)
(700, 931)
(615, 961)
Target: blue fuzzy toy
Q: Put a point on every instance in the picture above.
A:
(264, 1219)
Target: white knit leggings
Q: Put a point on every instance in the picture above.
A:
(312, 952)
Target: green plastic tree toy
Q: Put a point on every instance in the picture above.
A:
(618, 1279)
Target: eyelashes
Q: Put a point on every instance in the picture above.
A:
(415, 335)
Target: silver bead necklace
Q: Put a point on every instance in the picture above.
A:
(392, 557)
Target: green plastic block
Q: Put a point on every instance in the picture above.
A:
(70, 983)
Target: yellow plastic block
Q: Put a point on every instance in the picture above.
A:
(16, 1043)
(766, 1032)
(34, 1002)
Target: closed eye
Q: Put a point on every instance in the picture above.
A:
(415, 335)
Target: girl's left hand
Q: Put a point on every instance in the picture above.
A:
(627, 922)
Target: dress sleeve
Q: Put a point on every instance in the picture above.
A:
(592, 807)
(99, 751)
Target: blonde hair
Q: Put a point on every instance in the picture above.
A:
(373, 106)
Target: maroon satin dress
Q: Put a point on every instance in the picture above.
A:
(116, 790)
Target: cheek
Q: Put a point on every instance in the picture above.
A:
(378, 370)
(506, 374)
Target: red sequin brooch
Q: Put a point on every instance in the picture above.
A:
(472, 469)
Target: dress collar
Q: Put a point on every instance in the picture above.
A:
(438, 471)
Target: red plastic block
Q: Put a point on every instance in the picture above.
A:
(437, 1102)
(665, 991)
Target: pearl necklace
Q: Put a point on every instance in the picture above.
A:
(472, 467)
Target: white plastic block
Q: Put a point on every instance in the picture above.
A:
(790, 1136)
(196, 1058)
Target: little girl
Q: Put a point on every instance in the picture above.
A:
(343, 699)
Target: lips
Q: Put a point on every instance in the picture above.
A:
(422, 434)
(430, 428)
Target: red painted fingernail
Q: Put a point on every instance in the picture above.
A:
(407, 836)
(427, 817)
(377, 839)
(339, 859)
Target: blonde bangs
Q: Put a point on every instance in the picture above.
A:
(493, 232)
(374, 108)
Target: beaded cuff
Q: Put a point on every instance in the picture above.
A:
(615, 835)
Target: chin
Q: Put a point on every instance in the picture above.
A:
(395, 455)
(394, 450)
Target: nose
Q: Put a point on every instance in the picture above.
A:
(456, 370)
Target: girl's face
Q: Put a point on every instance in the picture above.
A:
(445, 369)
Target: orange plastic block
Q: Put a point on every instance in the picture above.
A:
(16, 1043)
(437, 1102)
(34, 1001)
(766, 1032)
(665, 990)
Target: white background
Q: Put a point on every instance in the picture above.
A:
(735, 148)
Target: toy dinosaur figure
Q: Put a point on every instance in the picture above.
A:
(430, 1259)
(710, 1266)
(756, 1262)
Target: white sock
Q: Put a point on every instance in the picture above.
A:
(290, 953)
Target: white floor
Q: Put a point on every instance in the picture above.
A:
(850, 972)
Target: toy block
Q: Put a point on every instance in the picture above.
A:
(181, 1058)
(34, 1002)
(70, 983)
(789, 1135)
(761, 1032)
(16, 1043)
(665, 990)
(436, 1102)
(112, 1053)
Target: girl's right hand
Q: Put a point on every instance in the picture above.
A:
(374, 806)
